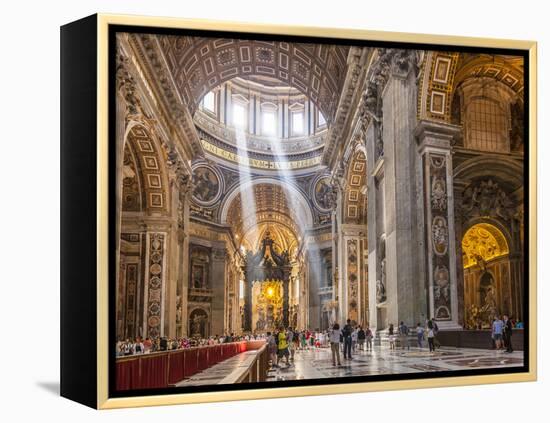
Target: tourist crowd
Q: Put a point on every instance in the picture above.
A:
(144, 346)
(283, 343)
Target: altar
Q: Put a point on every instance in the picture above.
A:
(266, 288)
(267, 305)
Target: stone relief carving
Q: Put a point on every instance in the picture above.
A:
(397, 61)
(439, 194)
(381, 281)
(440, 235)
(126, 85)
(156, 253)
(441, 285)
(487, 199)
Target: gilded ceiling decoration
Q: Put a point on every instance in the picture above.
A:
(131, 182)
(264, 203)
(482, 243)
(355, 195)
(442, 73)
(151, 164)
(199, 64)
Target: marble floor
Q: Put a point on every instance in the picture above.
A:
(317, 364)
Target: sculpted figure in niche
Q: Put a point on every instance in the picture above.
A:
(381, 282)
(490, 306)
(197, 326)
(178, 309)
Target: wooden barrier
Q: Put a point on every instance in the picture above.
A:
(165, 368)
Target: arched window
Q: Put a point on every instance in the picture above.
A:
(486, 126)
(209, 102)
(239, 116)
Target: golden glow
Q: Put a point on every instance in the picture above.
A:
(267, 305)
(483, 242)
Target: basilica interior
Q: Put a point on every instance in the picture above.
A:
(263, 184)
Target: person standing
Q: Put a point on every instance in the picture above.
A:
(431, 336)
(282, 347)
(138, 346)
(290, 342)
(334, 338)
(419, 334)
(391, 336)
(346, 333)
(507, 334)
(272, 348)
(303, 341)
(368, 336)
(127, 348)
(436, 331)
(354, 340)
(361, 338)
(498, 327)
(404, 336)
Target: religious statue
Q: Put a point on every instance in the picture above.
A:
(489, 309)
(178, 309)
(381, 283)
(197, 326)
(472, 317)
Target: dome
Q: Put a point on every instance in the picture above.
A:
(262, 123)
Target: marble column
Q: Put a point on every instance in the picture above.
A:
(434, 145)
(155, 284)
(314, 283)
(219, 255)
(247, 315)
(183, 255)
(286, 298)
(375, 223)
(458, 190)
(352, 275)
(121, 111)
(172, 253)
(401, 262)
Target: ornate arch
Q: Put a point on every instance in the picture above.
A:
(132, 181)
(443, 72)
(488, 166)
(483, 241)
(291, 192)
(152, 169)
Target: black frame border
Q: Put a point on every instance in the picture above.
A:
(114, 29)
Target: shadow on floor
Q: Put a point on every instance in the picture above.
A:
(51, 387)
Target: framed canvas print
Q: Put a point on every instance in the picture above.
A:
(253, 211)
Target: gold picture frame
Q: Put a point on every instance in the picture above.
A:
(100, 218)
